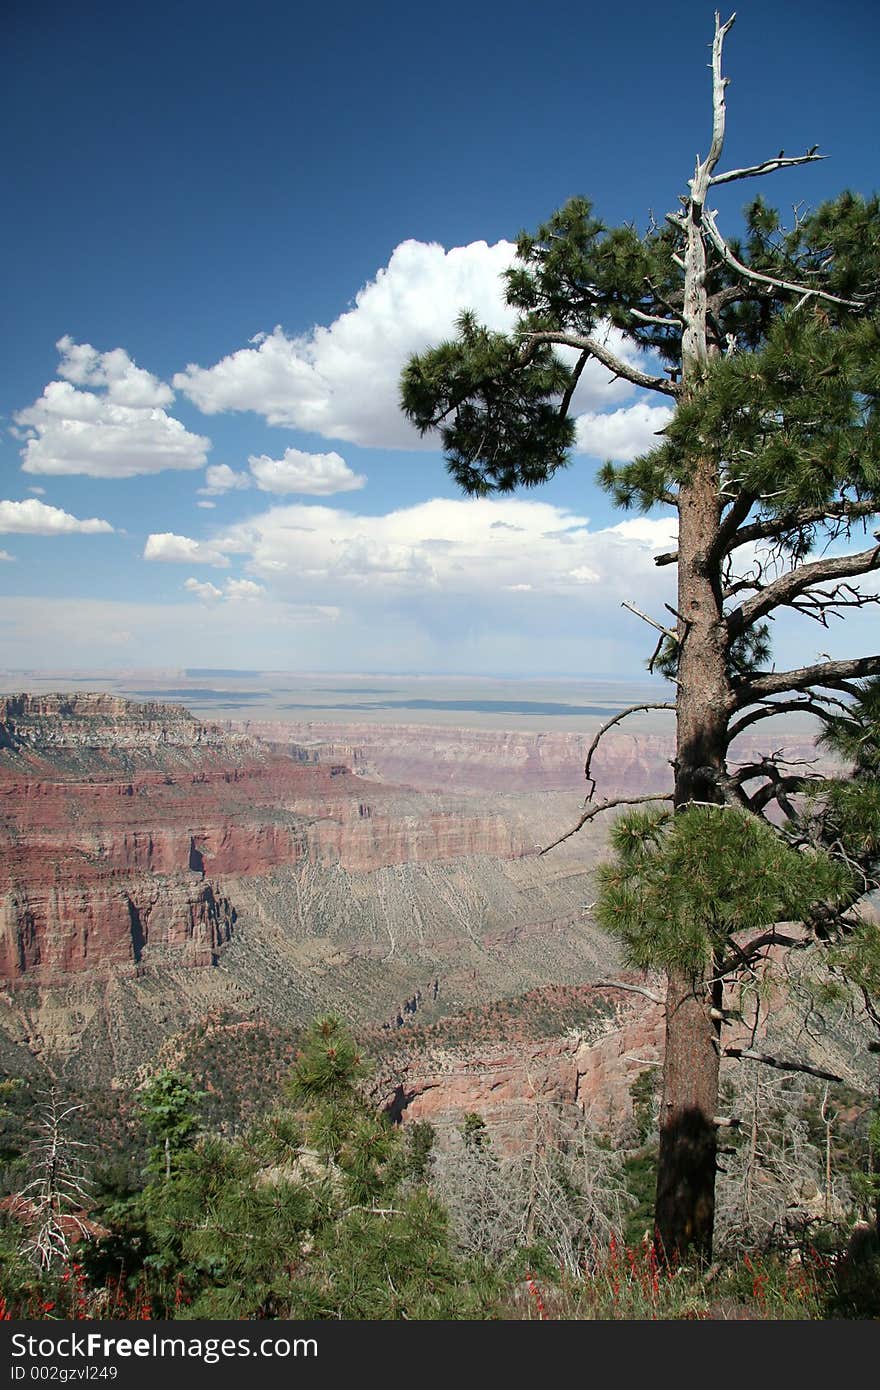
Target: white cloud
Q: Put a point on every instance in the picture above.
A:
(208, 506)
(126, 383)
(317, 475)
(243, 588)
(219, 478)
(449, 550)
(37, 491)
(622, 434)
(181, 550)
(232, 589)
(6, 558)
(205, 590)
(35, 518)
(119, 430)
(342, 382)
(448, 584)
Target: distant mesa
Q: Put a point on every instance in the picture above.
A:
(201, 694)
(549, 708)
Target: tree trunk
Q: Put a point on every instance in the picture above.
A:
(686, 1167)
(684, 1213)
(685, 1207)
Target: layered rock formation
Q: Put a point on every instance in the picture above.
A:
(153, 868)
(102, 864)
(591, 1069)
(632, 760)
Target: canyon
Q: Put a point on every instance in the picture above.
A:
(158, 871)
(154, 867)
(633, 759)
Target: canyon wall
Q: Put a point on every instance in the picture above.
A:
(102, 861)
(154, 868)
(633, 759)
(591, 1070)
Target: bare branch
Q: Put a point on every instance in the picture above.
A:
(822, 604)
(831, 674)
(769, 166)
(719, 113)
(609, 724)
(739, 510)
(757, 277)
(656, 318)
(779, 526)
(745, 956)
(735, 294)
(788, 586)
(605, 806)
(607, 358)
(572, 385)
(632, 989)
(812, 705)
(777, 789)
(748, 1055)
(667, 631)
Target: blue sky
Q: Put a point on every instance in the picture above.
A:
(227, 227)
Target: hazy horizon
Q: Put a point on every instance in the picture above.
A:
(340, 699)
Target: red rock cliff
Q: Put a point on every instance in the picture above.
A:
(123, 828)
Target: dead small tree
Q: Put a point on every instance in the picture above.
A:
(563, 1190)
(777, 1183)
(52, 1202)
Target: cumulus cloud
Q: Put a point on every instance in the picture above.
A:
(219, 478)
(342, 381)
(450, 584)
(6, 558)
(119, 429)
(182, 550)
(621, 434)
(232, 589)
(35, 518)
(126, 383)
(205, 590)
(243, 588)
(469, 548)
(317, 475)
(208, 506)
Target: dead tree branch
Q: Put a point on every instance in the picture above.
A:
(609, 724)
(832, 674)
(769, 166)
(746, 1054)
(788, 587)
(774, 527)
(605, 806)
(615, 364)
(631, 989)
(770, 708)
(757, 277)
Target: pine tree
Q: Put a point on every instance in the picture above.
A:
(766, 346)
(168, 1106)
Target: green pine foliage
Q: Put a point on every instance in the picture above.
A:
(680, 885)
(791, 415)
(169, 1110)
(477, 386)
(318, 1209)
